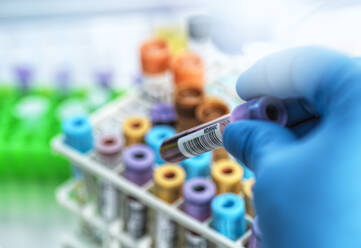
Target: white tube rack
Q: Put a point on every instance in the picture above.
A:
(113, 114)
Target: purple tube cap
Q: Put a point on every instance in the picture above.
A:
(104, 78)
(199, 191)
(138, 158)
(109, 145)
(264, 108)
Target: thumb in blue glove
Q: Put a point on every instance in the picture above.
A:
(308, 186)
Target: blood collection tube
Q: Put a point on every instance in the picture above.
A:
(187, 98)
(155, 57)
(163, 114)
(134, 130)
(168, 182)
(155, 137)
(198, 166)
(108, 149)
(78, 134)
(138, 163)
(248, 196)
(210, 110)
(207, 137)
(227, 175)
(188, 68)
(255, 240)
(228, 216)
(198, 194)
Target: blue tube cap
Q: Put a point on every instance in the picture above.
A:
(78, 133)
(155, 137)
(228, 212)
(198, 166)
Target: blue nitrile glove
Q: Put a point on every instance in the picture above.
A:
(308, 178)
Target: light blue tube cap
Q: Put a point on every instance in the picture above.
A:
(155, 137)
(78, 133)
(228, 213)
(198, 166)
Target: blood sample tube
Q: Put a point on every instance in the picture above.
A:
(163, 114)
(155, 137)
(108, 149)
(134, 130)
(255, 240)
(188, 68)
(210, 110)
(198, 194)
(228, 216)
(138, 163)
(187, 98)
(208, 136)
(248, 196)
(198, 166)
(168, 181)
(78, 134)
(155, 57)
(227, 175)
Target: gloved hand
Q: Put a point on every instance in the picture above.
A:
(308, 177)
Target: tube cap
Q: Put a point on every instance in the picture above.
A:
(227, 175)
(228, 215)
(134, 129)
(198, 166)
(211, 109)
(138, 163)
(78, 133)
(154, 56)
(155, 137)
(188, 68)
(198, 194)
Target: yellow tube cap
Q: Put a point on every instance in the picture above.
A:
(168, 180)
(227, 175)
(134, 129)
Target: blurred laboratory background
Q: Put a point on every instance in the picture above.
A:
(59, 58)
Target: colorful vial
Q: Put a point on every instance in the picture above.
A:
(155, 137)
(168, 182)
(227, 175)
(108, 150)
(248, 196)
(228, 217)
(255, 240)
(155, 58)
(198, 194)
(138, 161)
(134, 130)
(186, 99)
(163, 114)
(198, 166)
(207, 137)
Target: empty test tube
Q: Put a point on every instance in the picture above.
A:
(155, 137)
(207, 137)
(108, 149)
(227, 175)
(138, 161)
(134, 130)
(155, 57)
(255, 240)
(78, 134)
(198, 166)
(168, 182)
(198, 194)
(163, 114)
(228, 217)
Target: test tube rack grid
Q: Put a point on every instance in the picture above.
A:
(113, 114)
